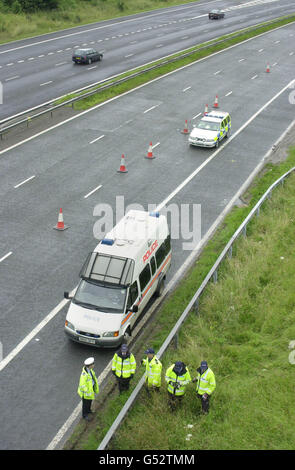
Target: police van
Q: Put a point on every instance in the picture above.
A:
(118, 279)
(211, 129)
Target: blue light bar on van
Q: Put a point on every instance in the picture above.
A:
(107, 241)
(154, 214)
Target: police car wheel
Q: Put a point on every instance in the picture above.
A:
(217, 144)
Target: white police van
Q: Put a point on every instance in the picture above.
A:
(211, 129)
(118, 279)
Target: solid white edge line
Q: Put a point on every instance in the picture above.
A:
(4, 257)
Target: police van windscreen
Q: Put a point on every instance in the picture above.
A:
(100, 297)
(208, 125)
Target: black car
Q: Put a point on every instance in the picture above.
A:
(86, 56)
(216, 14)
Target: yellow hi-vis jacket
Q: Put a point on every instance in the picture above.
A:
(124, 367)
(206, 382)
(153, 369)
(177, 383)
(88, 385)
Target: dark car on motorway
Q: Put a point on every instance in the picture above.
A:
(216, 14)
(86, 56)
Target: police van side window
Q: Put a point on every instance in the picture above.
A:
(144, 277)
(153, 265)
(133, 294)
(163, 251)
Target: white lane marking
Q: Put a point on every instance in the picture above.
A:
(156, 145)
(93, 191)
(216, 73)
(241, 60)
(150, 109)
(61, 50)
(60, 63)
(11, 63)
(50, 53)
(229, 93)
(25, 181)
(95, 140)
(192, 175)
(128, 55)
(11, 78)
(187, 88)
(260, 50)
(20, 61)
(3, 258)
(31, 58)
(197, 115)
(46, 83)
(93, 67)
(253, 78)
(273, 65)
(291, 53)
(41, 55)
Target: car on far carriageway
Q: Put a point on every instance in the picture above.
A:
(216, 14)
(86, 56)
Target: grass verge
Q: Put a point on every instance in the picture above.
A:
(245, 324)
(196, 53)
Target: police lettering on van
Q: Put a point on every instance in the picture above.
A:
(118, 279)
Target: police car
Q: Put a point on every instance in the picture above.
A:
(211, 129)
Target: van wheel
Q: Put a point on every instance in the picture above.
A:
(127, 334)
(160, 288)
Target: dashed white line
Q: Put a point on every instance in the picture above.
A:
(46, 83)
(31, 58)
(93, 191)
(20, 61)
(150, 109)
(93, 67)
(260, 50)
(156, 145)
(128, 55)
(11, 63)
(253, 78)
(25, 181)
(273, 65)
(95, 140)
(187, 88)
(11, 78)
(216, 73)
(229, 93)
(60, 63)
(50, 53)
(6, 256)
(41, 55)
(241, 60)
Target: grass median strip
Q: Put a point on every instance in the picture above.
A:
(147, 74)
(243, 329)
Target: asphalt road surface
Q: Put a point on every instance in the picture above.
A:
(61, 167)
(34, 71)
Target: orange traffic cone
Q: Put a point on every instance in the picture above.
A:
(122, 168)
(216, 102)
(206, 110)
(60, 223)
(185, 130)
(267, 68)
(150, 152)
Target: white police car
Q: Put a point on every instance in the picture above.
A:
(211, 129)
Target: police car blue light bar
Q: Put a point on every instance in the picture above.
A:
(107, 241)
(154, 214)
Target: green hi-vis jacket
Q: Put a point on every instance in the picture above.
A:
(153, 369)
(124, 367)
(179, 382)
(206, 382)
(88, 385)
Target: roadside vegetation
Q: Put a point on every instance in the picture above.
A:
(25, 18)
(243, 329)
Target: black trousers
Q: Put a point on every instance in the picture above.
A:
(174, 401)
(205, 403)
(123, 383)
(86, 407)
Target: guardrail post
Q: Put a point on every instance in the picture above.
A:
(258, 211)
(230, 252)
(175, 341)
(197, 306)
(215, 276)
(269, 195)
(245, 231)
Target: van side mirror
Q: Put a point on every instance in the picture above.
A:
(66, 296)
(135, 308)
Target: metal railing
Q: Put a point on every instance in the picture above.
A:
(193, 304)
(113, 83)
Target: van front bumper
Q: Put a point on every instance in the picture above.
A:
(93, 341)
